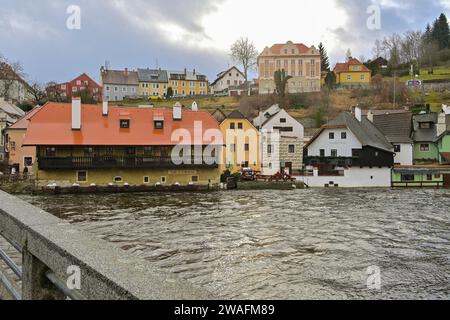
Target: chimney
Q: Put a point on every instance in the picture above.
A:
(105, 110)
(126, 71)
(194, 106)
(194, 72)
(358, 114)
(185, 71)
(370, 116)
(441, 126)
(76, 113)
(177, 111)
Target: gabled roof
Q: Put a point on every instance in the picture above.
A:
(11, 109)
(152, 75)
(236, 114)
(345, 67)
(52, 125)
(25, 120)
(365, 131)
(266, 115)
(119, 77)
(397, 127)
(276, 48)
(223, 73)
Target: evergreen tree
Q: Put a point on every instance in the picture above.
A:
(324, 60)
(428, 35)
(441, 32)
(330, 80)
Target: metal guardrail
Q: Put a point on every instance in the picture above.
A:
(50, 247)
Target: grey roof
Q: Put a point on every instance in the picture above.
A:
(124, 78)
(186, 76)
(425, 135)
(365, 131)
(11, 112)
(264, 116)
(152, 75)
(397, 127)
(236, 114)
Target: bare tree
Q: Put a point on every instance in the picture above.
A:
(244, 52)
(10, 73)
(391, 44)
(411, 48)
(39, 93)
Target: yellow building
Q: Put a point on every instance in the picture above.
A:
(352, 74)
(153, 84)
(241, 144)
(187, 83)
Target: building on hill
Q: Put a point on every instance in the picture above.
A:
(352, 73)
(12, 86)
(225, 79)
(119, 85)
(188, 83)
(241, 144)
(349, 151)
(153, 83)
(300, 62)
(83, 82)
(87, 144)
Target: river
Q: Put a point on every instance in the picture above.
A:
(300, 244)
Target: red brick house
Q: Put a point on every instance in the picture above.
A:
(65, 91)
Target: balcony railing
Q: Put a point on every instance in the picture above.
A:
(133, 162)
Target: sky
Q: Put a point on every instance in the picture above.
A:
(178, 34)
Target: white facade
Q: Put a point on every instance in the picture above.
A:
(284, 120)
(406, 155)
(344, 147)
(232, 77)
(353, 178)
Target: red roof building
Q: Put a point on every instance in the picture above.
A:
(67, 90)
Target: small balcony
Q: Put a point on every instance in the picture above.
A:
(132, 162)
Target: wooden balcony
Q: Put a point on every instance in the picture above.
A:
(132, 162)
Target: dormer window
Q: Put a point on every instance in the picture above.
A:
(425, 125)
(159, 124)
(124, 123)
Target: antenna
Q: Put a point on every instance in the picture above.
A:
(157, 63)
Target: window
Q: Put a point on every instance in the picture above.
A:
(159, 124)
(74, 89)
(27, 161)
(356, 153)
(425, 125)
(118, 179)
(124, 124)
(283, 120)
(146, 180)
(232, 126)
(247, 147)
(429, 177)
(334, 153)
(291, 148)
(424, 147)
(331, 135)
(107, 88)
(240, 125)
(50, 152)
(148, 151)
(82, 176)
(270, 165)
(88, 151)
(363, 77)
(78, 82)
(437, 176)
(408, 177)
(397, 148)
(163, 180)
(194, 178)
(343, 135)
(349, 78)
(131, 151)
(322, 153)
(116, 89)
(269, 149)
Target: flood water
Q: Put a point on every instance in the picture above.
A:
(302, 244)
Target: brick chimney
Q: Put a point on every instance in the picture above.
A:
(76, 113)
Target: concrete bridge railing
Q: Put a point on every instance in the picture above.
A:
(54, 253)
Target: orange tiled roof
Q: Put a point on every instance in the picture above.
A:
(345, 67)
(52, 125)
(276, 48)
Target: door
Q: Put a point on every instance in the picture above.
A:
(288, 168)
(447, 181)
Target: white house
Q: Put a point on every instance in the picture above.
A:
(231, 77)
(349, 152)
(281, 143)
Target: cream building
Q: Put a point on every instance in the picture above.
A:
(300, 62)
